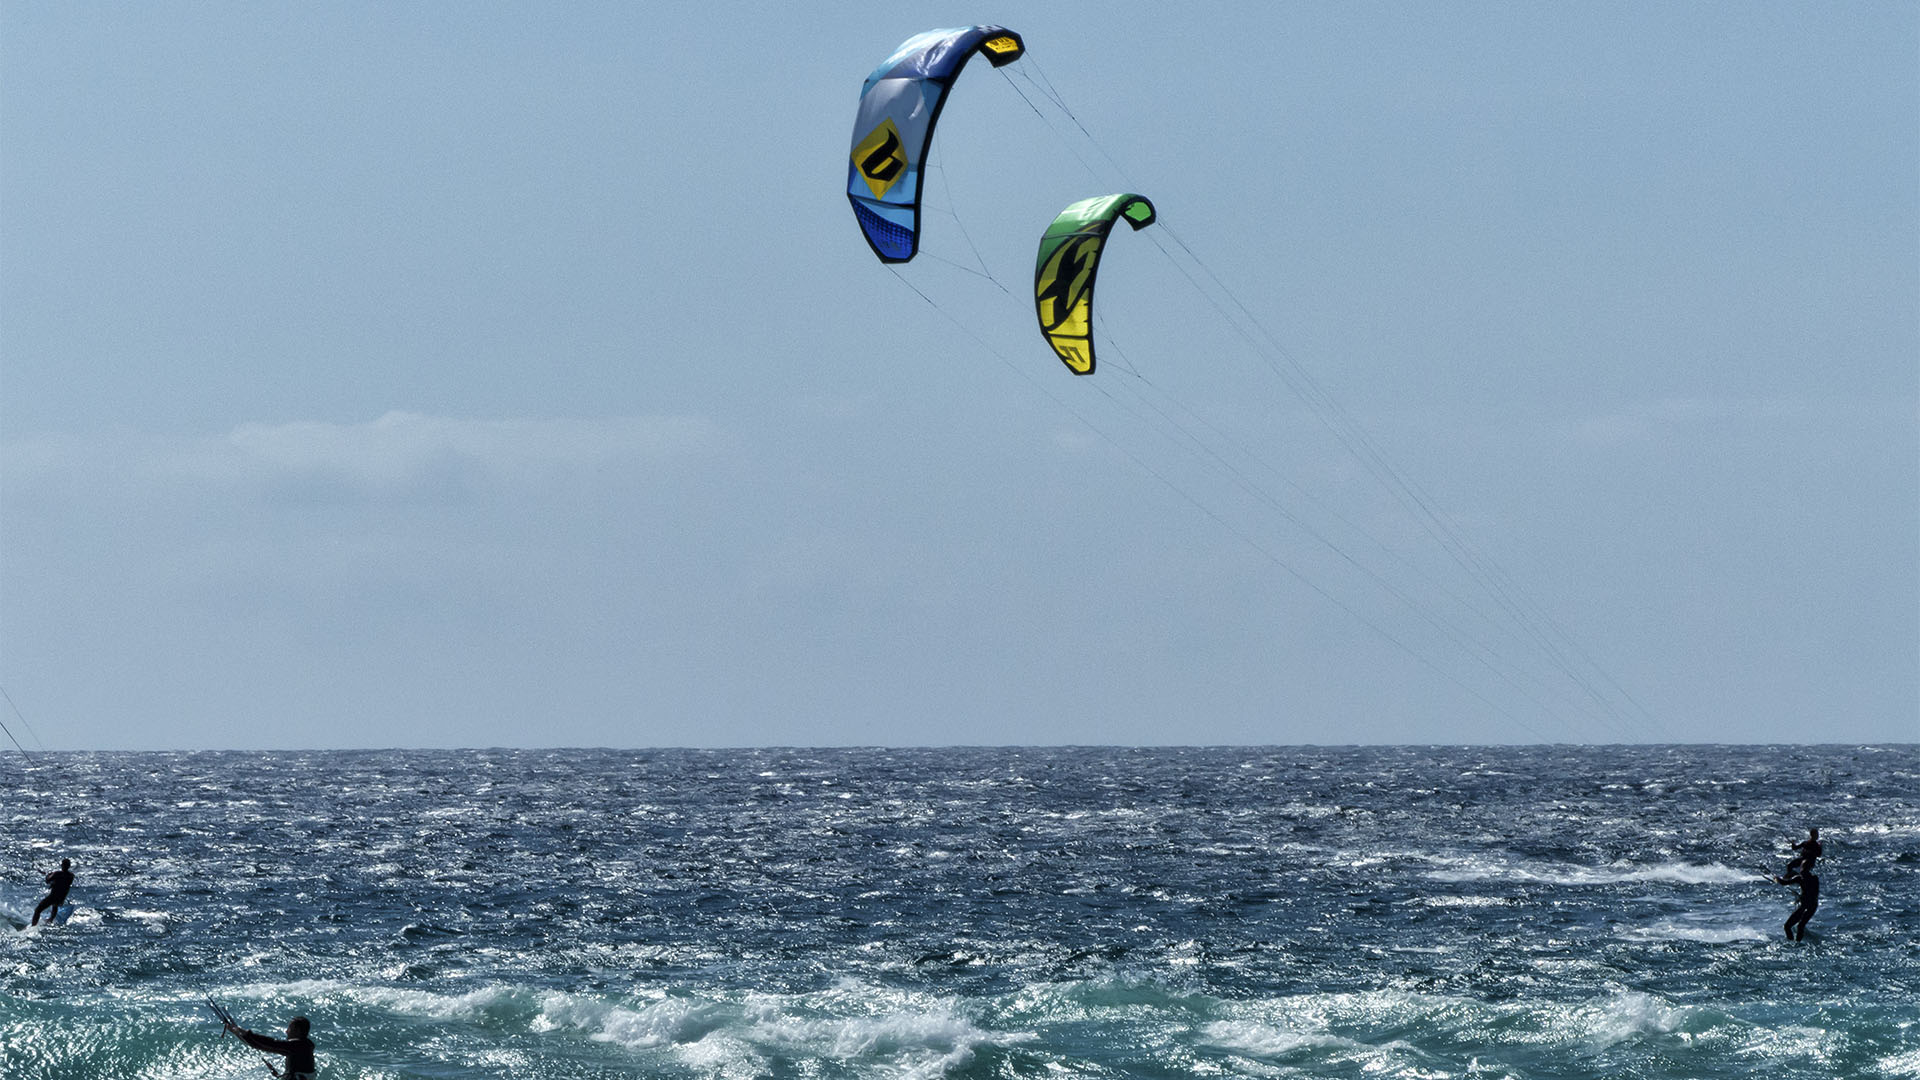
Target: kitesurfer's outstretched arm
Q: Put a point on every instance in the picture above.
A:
(1806, 852)
(296, 1047)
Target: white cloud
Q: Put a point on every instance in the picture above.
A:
(1647, 419)
(397, 456)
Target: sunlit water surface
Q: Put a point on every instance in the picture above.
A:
(1284, 912)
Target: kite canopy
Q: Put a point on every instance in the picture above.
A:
(1063, 275)
(898, 107)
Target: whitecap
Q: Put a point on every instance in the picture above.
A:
(907, 1035)
(1466, 901)
(1679, 873)
(1627, 1015)
(1262, 1040)
(1900, 1065)
(1695, 930)
(468, 1006)
(669, 1021)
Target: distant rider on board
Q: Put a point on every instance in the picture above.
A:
(1809, 883)
(58, 882)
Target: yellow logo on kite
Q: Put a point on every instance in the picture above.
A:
(881, 158)
(1063, 294)
(1076, 353)
(1001, 45)
(1063, 298)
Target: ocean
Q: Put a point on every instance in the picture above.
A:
(1364, 912)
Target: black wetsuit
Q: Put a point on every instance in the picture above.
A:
(1809, 883)
(58, 883)
(298, 1052)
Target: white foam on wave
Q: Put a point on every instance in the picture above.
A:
(1900, 1065)
(1879, 830)
(646, 1025)
(1332, 1031)
(1799, 1044)
(886, 1031)
(878, 1031)
(1260, 1039)
(1627, 1015)
(471, 1005)
(152, 918)
(1466, 901)
(1570, 874)
(1693, 930)
(881, 1031)
(1130, 997)
(494, 1002)
(1367, 1030)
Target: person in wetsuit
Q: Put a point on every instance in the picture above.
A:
(296, 1047)
(58, 882)
(1809, 883)
(1807, 851)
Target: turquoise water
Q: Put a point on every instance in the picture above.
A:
(1285, 912)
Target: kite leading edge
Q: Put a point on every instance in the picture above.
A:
(899, 106)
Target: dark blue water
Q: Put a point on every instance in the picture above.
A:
(1310, 912)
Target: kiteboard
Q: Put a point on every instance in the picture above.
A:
(58, 918)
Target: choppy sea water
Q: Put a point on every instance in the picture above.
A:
(1275, 912)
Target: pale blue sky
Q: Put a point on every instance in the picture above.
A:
(483, 374)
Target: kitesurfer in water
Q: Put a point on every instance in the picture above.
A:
(58, 882)
(296, 1047)
(1808, 851)
(1809, 883)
